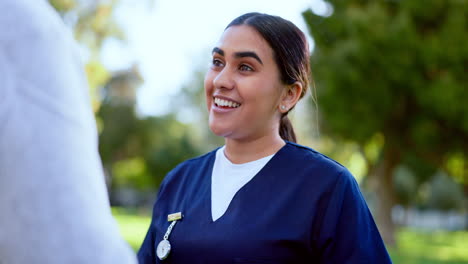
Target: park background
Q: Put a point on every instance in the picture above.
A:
(390, 103)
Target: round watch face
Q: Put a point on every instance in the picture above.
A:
(163, 249)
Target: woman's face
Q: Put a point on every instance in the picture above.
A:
(243, 86)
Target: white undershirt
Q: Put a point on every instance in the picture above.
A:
(227, 178)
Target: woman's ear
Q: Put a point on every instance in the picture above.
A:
(290, 96)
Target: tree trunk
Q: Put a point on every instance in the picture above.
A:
(381, 182)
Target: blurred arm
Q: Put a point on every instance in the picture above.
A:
(53, 200)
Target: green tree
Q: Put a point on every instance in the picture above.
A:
(391, 76)
(137, 152)
(444, 193)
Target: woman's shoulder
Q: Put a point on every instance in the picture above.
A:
(196, 161)
(315, 166)
(312, 158)
(319, 171)
(187, 169)
(190, 165)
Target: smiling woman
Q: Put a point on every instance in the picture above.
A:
(244, 72)
(260, 198)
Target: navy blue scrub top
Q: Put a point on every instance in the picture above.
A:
(302, 207)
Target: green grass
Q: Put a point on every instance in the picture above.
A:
(431, 248)
(414, 247)
(133, 225)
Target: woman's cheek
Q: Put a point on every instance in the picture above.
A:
(208, 83)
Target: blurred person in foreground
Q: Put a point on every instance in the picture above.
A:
(260, 198)
(53, 199)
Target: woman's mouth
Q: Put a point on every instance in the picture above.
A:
(224, 103)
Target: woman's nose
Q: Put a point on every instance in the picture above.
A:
(224, 79)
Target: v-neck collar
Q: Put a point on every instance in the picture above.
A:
(243, 189)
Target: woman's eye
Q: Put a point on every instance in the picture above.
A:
(217, 63)
(244, 67)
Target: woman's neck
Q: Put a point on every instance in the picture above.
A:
(242, 151)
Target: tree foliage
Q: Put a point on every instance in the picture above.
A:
(399, 66)
(395, 70)
(138, 152)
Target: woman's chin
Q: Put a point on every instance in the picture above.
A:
(218, 130)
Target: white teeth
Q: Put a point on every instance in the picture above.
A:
(226, 103)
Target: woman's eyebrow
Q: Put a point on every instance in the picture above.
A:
(240, 54)
(244, 54)
(218, 50)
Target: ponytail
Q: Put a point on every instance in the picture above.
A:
(286, 129)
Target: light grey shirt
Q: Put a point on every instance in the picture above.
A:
(53, 200)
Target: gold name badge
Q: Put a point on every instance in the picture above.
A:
(174, 216)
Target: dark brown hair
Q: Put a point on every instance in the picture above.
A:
(291, 54)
